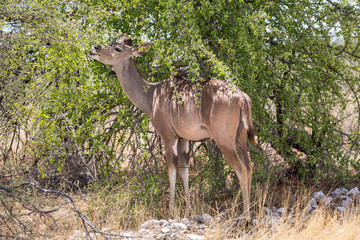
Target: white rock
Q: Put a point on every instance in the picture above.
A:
(150, 224)
(312, 201)
(338, 192)
(224, 215)
(318, 196)
(164, 223)
(267, 211)
(353, 193)
(185, 221)
(271, 220)
(281, 211)
(172, 221)
(127, 234)
(77, 235)
(179, 226)
(144, 231)
(309, 209)
(341, 209)
(201, 226)
(291, 219)
(160, 237)
(226, 227)
(106, 229)
(347, 203)
(254, 222)
(165, 230)
(207, 218)
(327, 201)
(203, 219)
(194, 237)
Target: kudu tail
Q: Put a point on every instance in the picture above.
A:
(246, 118)
(251, 137)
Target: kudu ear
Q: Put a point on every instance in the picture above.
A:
(125, 39)
(141, 50)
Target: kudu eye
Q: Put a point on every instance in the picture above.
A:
(118, 49)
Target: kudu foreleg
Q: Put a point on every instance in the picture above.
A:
(183, 166)
(171, 155)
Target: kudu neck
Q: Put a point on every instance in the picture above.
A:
(135, 87)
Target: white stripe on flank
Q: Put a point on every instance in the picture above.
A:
(245, 122)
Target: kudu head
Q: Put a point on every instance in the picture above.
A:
(115, 52)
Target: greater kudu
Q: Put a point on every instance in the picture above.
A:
(223, 114)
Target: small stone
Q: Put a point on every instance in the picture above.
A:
(267, 211)
(207, 218)
(200, 232)
(164, 223)
(127, 234)
(254, 222)
(203, 219)
(327, 201)
(291, 219)
(310, 208)
(271, 220)
(144, 231)
(106, 229)
(198, 219)
(77, 235)
(150, 224)
(341, 209)
(353, 193)
(318, 196)
(165, 230)
(160, 237)
(173, 236)
(202, 226)
(185, 221)
(347, 203)
(179, 226)
(226, 227)
(338, 192)
(223, 215)
(281, 211)
(194, 237)
(312, 201)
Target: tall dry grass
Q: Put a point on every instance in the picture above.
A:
(117, 210)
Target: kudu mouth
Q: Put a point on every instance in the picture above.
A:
(93, 52)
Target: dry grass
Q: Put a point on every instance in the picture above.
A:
(298, 225)
(116, 211)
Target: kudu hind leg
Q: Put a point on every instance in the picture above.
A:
(241, 171)
(241, 148)
(243, 154)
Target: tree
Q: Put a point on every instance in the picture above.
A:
(65, 119)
